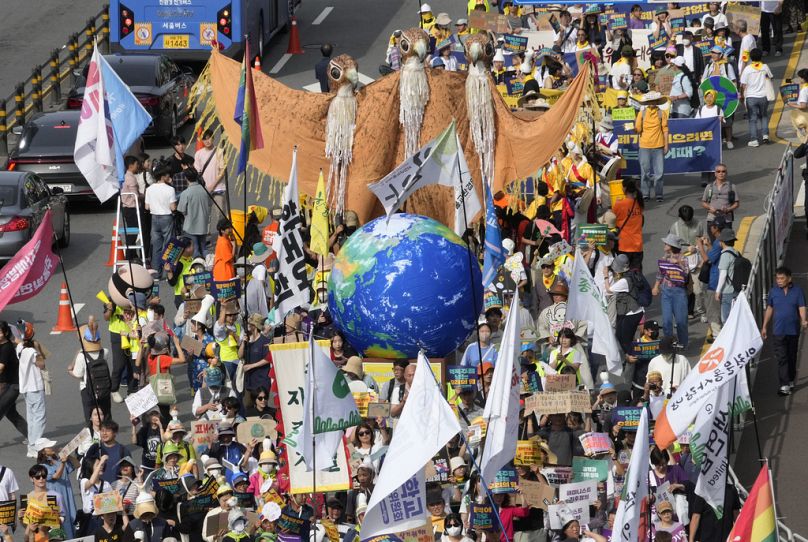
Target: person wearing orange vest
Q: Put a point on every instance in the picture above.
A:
(652, 127)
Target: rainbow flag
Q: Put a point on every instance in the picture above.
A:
(756, 521)
(246, 113)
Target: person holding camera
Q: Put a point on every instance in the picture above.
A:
(672, 366)
(720, 197)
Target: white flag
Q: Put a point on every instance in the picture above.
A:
(329, 408)
(93, 151)
(586, 302)
(291, 280)
(737, 343)
(627, 519)
(502, 403)
(427, 423)
(464, 192)
(709, 440)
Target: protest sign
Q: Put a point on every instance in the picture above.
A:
(224, 290)
(203, 434)
(205, 278)
(537, 494)
(378, 410)
(109, 501)
(216, 523)
(173, 251)
(751, 14)
(557, 475)
(438, 468)
(527, 453)
(694, 146)
(191, 345)
(170, 485)
(256, 428)
(8, 512)
(618, 21)
(382, 372)
(646, 350)
(362, 399)
(594, 233)
(494, 22)
(558, 382)
(84, 437)
(461, 376)
(141, 402)
(790, 92)
(704, 46)
(627, 418)
(514, 43)
(513, 87)
(245, 500)
(505, 481)
(462, 61)
(511, 101)
(558, 402)
(624, 113)
(595, 443)
(194, 510)
(43, 513)
(482, 517)
(677, 20)
(578, 492)
(289, 524)
(448, 42)
(579, 511)
(584, 468)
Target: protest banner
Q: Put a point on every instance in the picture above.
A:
(578, 492)
(595, 443)
(141, 402)
(461, 376)
(646, 350)
(537, 494)
(289, 365)
(224, 290)
(514, 43)
(511, 101)
(790, 92)
(8, 512)
(378, 410)
(624, 113)
(558, 402)
(527, 453)
(694, 146)
(627, 418)
(205, 278)
(579, 511)
(557, 475)
(170, 485)
(382, 371)
(482, 517)
(256, 428)
(43, 513)
(584, 468)
(84, 437)
(173, 251)
(594, 233)
(560, 382)
(494, 22)
(751, 14)
(203, 434)
(109, 501)
(505, 481)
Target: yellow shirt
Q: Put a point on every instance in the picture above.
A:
(652, 125)
(555, 183)
(531, 210)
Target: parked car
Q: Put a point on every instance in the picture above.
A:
(46, 148)
(158, 83)
(24, 199)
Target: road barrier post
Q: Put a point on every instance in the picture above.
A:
(105, 28)
(19, 102)
(55, 78)
(3, 129)
(73, 60)
(36, 88)
(90, 33)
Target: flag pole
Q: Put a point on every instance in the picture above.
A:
(774, 502)
(313, 433)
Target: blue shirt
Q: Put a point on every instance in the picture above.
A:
(786, 307)
(471, 357)
(714, 255)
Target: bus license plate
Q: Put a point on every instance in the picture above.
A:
(175, 41)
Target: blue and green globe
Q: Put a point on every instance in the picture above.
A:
(401, 286)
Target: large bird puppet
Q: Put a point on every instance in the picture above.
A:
(362, 135)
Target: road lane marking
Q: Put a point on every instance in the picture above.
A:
(78, 307)
(281, 63)
(322, 15)
(315, 87)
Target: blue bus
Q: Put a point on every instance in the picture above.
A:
(185, 29)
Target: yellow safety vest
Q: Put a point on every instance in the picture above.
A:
(228, 348)
(186, 267)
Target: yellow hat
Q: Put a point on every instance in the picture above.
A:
(622, 94)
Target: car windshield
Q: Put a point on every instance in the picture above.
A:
(8, 195)
(135, 74)
(56, 134)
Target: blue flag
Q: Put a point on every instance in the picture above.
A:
(126, 114)
(494, 253)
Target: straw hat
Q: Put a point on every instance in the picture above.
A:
(799, 120)
(652, 98)
(268, 458)
(354, 366)
(144, 504)
(443, 19)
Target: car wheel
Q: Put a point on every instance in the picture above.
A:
(64, 240)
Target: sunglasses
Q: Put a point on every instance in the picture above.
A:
(363, 433)
(40, 477)
(261, 398)
(670, 56)
(453, 525)
(720, 170)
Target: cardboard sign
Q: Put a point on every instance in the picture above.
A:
(224, 290)
(557, 475)
(559, 402)
(584, 468)
(663, 80)
(109, 501)
(141, 402)
(595, 443)
(203, 434)
(578, 492)
(578, 511)
(482, 517)
(790, 92)
(216, 523)
(624, 113)
(537, 494)
(189, 344)
(560, 382)
(646, 350)
(627, 418)
(438, 468)
(256, 428)
(514, 43)
(173, 251)
(594, 233)
(84, 437)
(461, 376)
(378, 410)
(527, 453)
(505, 481)
(748, 13)
(494, 22)
(8, 512)
(38, 512)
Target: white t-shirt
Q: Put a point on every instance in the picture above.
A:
(569, 44)
(709, 111)
(159, 198)
(770, 6)
(80, 366)
(8, 484)
(680, 369)
(747, 44)
(719, 21)
(803, 96)
(30, 375)
(755, 81)
(88, 493)
(621, 71)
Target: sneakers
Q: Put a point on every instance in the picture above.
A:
(766, 139)
(117, 397)
(778, 53)
(753, 143)
(784, 390)
(703, 319)
(32, 454)
(730, 145)
(660, 200)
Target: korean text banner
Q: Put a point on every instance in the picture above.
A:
(694, 145)
(31, 269)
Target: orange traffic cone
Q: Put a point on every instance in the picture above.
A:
(115, 245)
(257, 65)
(64, 320)
(294, 40)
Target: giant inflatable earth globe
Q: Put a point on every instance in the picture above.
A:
(401, 286)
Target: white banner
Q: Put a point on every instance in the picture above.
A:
(289, 365)
(627, 519)
(464, 193)
(737, 343)
(291, 280)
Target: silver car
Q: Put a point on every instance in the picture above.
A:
(24, 199)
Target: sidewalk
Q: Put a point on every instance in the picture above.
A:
(780, 122)
(781, 421)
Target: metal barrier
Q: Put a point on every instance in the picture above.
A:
(47, 78)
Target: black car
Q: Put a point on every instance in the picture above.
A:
(158, 83)
(46, 148)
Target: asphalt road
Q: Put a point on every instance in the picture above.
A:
(26, 38)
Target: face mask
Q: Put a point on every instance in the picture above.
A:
(453, 531)
(239, 527)
(215, 473)
(686, 43)
(266, 468)
(150, 315)
(232, 501)
(606, 407)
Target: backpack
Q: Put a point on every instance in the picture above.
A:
(639, 288)
(741, 270)
(100, 377)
